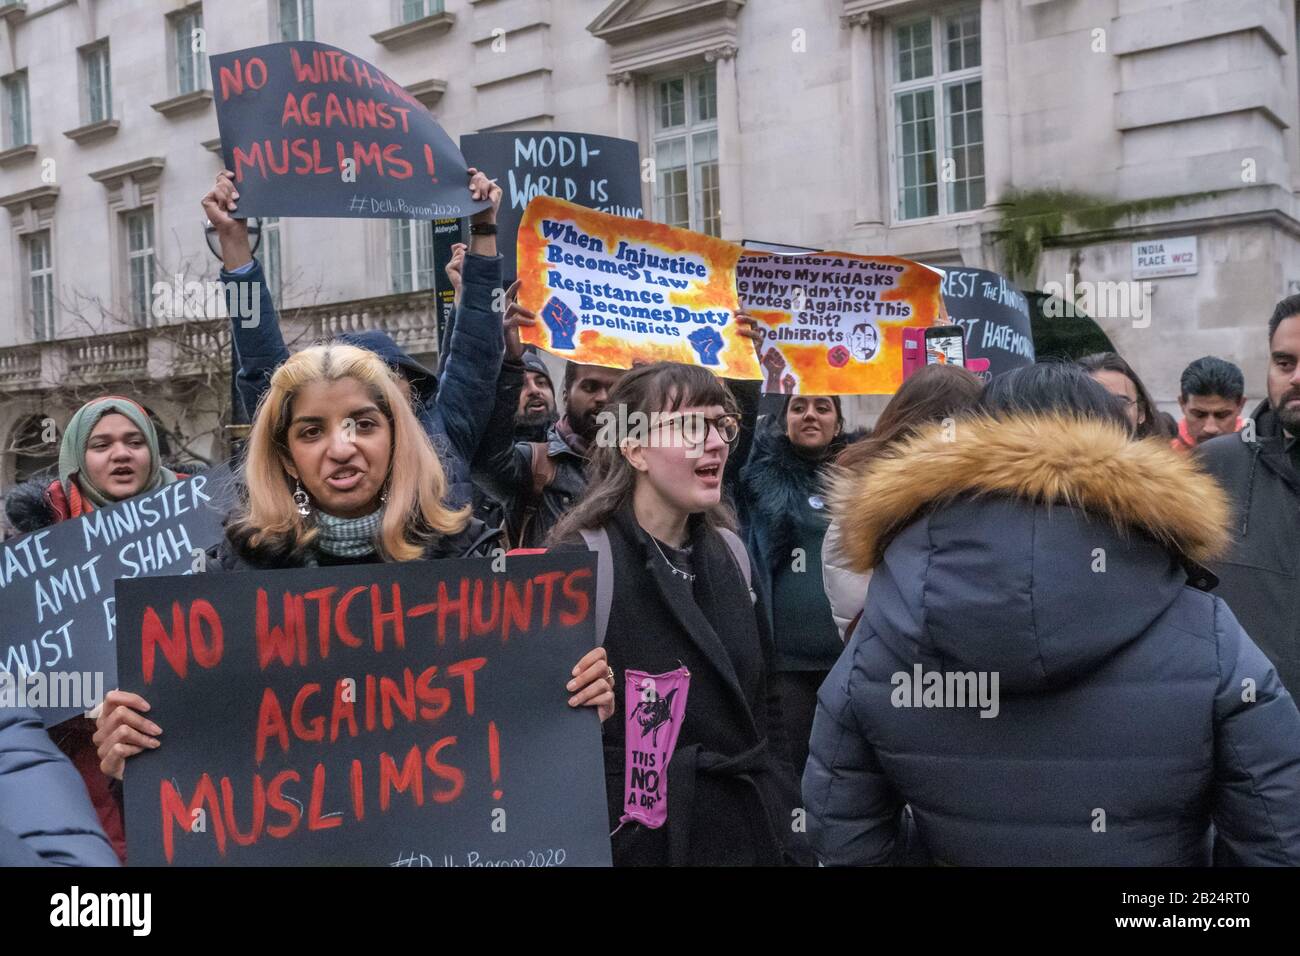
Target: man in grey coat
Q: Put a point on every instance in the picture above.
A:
(1260, 577)
(45, 816)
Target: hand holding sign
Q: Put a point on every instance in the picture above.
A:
(218, 206)
(516, 316)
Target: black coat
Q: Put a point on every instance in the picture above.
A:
(732, 792)
(1260, 577)
(777, 488)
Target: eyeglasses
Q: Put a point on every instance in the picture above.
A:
(693, 428)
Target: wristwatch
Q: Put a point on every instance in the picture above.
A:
(483, 229)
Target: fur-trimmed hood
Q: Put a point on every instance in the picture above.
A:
(1033, 546)
(1047, 459)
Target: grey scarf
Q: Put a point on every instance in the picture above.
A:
(348, 537)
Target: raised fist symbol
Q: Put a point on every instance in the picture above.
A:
(559, 318)
(787, 384)
(707, 343)
(774, 362)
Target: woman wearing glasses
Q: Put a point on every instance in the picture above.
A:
(681, 605)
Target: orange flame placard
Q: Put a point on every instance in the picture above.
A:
(834, 321)
(617, 292)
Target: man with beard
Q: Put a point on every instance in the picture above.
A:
(540, 480)
(536, 411)
(1260, 578)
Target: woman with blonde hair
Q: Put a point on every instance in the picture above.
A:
(338, 472)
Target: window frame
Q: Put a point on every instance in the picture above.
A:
(272, 250)
(687, 132)
(26, 240)
(150, 256)
(88, 52)
(299, 7)
(409, 226)
(431, 8)
(7, 139)
(198, 59)
(938, 81)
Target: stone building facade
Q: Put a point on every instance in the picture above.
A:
(918, 128)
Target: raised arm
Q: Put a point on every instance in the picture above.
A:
(468, 384)
(255, 325)
(504, 464)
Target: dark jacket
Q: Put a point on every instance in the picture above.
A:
(454, 411)
(1260, 576)
(779, 491)
(731, 790)
(28, 506)
(504, 468)
(1134, 716)
(45, 816)
(477, 540)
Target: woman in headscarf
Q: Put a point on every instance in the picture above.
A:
(109, 453)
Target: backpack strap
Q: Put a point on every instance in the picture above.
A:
(742, 558)
(598, 540)
(543, 468)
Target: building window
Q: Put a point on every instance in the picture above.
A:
(270, 250)
(99, 87)
(40, 284)
(687, 193)
(140, 264)
(938, 117)
(411, 254)
(188, 45)
(413, 10)
(17, 115)
(297, 20)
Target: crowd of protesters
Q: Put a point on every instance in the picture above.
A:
(1022, 622)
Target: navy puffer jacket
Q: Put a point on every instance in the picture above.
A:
(1134, 721)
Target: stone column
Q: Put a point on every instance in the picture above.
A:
(864, 123)
(729, 152)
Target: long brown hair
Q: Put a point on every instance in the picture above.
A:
(611, 480)
(268, 522)
(932, 394)
(1152, 425)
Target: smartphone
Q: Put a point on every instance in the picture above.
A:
(945, 345)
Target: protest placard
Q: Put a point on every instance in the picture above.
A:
(56, 588)
(994, 315)
(833, 321)
(396, 714)
(599, 172)
(311, 130)
(614, 291)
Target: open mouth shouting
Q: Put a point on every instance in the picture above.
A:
(710, 473)
(345, 479)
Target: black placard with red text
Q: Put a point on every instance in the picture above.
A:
(311, 130)
(400, 714)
